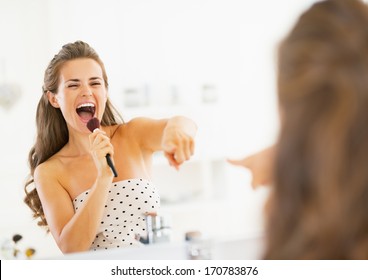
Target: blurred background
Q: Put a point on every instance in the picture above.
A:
(211, 60)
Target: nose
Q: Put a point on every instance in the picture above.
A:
(86, 91)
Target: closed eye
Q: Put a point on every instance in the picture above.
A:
(95, 81)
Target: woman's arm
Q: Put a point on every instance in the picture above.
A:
(75, 231)
(174, 136)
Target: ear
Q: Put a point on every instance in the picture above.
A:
(53, 99)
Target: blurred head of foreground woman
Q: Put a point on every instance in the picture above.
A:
(318, 208)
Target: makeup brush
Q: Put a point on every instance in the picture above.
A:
(93, 124)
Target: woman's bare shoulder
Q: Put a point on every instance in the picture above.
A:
(115, 131)
(126, 128)
(144, 123)
(48, 169)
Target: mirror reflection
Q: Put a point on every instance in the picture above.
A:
(210, 61)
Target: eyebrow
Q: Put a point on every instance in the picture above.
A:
(95, 78)
(77, 80)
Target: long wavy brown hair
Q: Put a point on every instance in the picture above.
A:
(318, 208)
(52, 131)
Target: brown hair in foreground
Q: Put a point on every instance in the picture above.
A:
(318, 208)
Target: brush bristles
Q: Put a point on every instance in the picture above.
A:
(93, 124)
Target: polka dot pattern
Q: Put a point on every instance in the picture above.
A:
(123, 216)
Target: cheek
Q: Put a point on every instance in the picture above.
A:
(66, 106)
(105, 96)
(102, 108)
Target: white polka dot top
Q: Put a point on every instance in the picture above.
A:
(124, 217)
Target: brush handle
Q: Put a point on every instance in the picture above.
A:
(109, 162)
(92, 125)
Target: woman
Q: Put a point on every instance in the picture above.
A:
(76, 195)
(318, 208)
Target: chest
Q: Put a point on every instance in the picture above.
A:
(79, 174)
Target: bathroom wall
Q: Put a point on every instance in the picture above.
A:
(213, 60)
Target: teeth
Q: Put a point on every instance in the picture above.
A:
(86, 105)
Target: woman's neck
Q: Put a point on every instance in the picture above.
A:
(78, 143)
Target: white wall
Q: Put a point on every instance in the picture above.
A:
(158, 44)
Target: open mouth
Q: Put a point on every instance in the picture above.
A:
(86, 111)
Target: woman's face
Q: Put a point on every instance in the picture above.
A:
(81, 93)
